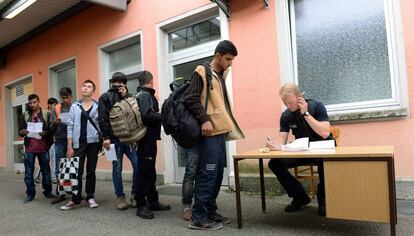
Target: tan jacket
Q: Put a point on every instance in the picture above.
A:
(218, 108)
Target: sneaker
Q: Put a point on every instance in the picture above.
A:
(219, 218)
(28, 198)
(133, 203)
(145, 213)
(187, 214)
(121, 203)
(157, 206)
(297, 203)
(59, 198)
(70, 205)
(91, 203)
(49, 195)
(210, 225)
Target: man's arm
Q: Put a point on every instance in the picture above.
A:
(149, 116)
(22, 126)
(319, 123)
(103, 115)
(284, 137)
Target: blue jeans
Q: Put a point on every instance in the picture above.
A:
(60, 152)
(121, 150)
(191, 162)
(29, 162)
(209, 177)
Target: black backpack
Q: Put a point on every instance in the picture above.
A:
(176, 119)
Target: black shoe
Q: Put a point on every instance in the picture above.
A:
(322, 210)
(210, 225)
(157, 206)
(28, 199)
(59, 198)
(49, 195)
(145, 213)
(297, 203)
(219, 218)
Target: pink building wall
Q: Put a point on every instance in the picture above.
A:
(256, 78)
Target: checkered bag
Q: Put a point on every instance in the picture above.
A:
(68, 175)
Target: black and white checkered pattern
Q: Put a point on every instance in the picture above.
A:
(68, 175)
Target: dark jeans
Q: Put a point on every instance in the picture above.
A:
(293, 187)
(121, 150)
(88, 152)
(60, 152)
(209, 177)
(29, 162)
(146, 174)
(191, 161)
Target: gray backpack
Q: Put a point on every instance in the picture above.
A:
(126, 121)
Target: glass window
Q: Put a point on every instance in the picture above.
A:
(125, 57)
(341, 50)
(194, 35)
(67, 78)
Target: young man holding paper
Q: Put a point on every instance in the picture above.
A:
(306, 118)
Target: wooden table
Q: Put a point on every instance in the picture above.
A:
(359, 182)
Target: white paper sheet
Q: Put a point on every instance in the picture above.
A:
(34, 135)
(64, 117)
(110, 154)
(35, 127)
(301, 144)
(326, 144)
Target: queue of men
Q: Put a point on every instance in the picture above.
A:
(89, 128)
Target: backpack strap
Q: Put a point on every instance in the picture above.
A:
(90, 119)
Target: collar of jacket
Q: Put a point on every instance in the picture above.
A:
(149, 90)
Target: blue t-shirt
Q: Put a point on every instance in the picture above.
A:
(296, 122)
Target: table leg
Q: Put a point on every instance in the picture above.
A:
(392, 197)
(237, 188)
(262, 185)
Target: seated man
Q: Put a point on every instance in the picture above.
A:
(306, 118)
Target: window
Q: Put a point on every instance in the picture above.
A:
(63, 75)
(123, 55)
(343, 53)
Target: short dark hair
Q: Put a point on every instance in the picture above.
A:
(65, 91)
(88, 81)
(144, 77)
(226, 47)
(119, 77)
(52, 101)
(32, 96)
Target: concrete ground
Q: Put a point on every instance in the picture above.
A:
(41, 218)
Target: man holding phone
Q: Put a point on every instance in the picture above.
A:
(306, 118)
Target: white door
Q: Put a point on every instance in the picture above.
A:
(18, 108)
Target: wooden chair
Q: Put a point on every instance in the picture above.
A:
(310, 172)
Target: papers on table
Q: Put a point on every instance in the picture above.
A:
(301, 144)
(64, 117)
(35, 127)
(110, 154)
(326, 144)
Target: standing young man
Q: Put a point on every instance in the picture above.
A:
(217, 125)
(83, 142)
(60, 137)
(146, 194)
(36, 146)
(306, 118)
(115, 94)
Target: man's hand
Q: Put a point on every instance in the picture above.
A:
(24, 132)
(106, 144)
(69, 152)
(207, 128)
(303, 105)
(42, 134)
(57, 121)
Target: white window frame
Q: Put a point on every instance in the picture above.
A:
(398, 74)
(53, 71)
(167, 60)
(104, 58)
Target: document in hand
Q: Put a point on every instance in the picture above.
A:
(301, 144)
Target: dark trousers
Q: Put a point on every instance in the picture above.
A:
(212, 156)
(88, 152)
(292, 186)
(146, 174)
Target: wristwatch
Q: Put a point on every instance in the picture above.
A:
(306, 114)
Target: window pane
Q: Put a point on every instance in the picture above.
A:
(67, 78)
(132, 84)
(125, 57)
(196, 34)
(342, 53)
(184, 71)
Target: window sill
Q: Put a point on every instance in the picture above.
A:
(368, 116)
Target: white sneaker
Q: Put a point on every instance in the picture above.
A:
(92, 204)
(70, 205)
